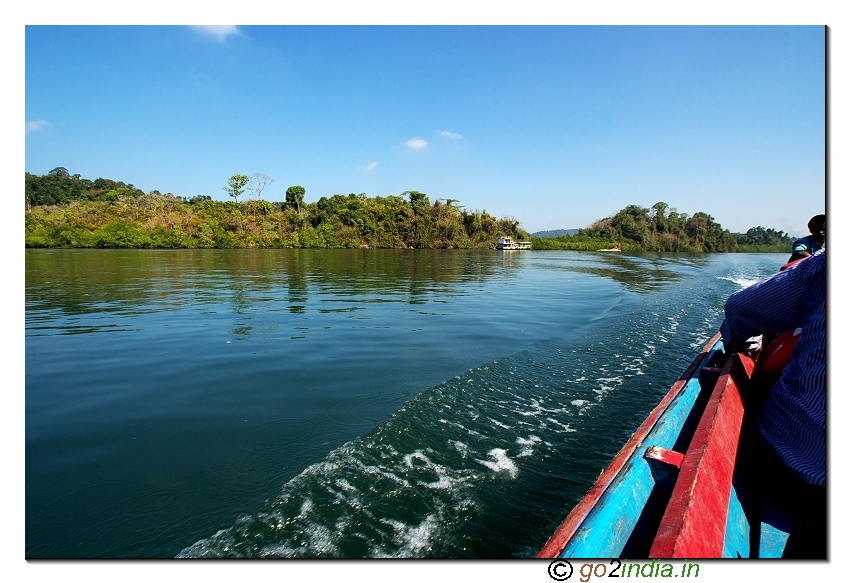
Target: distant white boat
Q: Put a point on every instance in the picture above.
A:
(508, 244)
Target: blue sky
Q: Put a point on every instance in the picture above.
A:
(556, 125)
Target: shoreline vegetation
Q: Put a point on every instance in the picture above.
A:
(67, 211)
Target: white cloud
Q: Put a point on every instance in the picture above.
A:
(36, 125)
(219, 32)
(417, 143)
(370, 167)
(451, 135)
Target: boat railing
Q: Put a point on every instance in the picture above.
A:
(694, 522)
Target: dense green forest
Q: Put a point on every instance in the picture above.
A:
(662, 228)
(69, 211)
(65, 210)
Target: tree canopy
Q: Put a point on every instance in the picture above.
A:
(258, 183)
(236, 186)
(70, 211)
(662, 228)
(59, 187)
(73, 218)
(295, 197)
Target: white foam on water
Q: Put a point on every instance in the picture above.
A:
(601, 392)
(204, 548)
(740, 281)
(443, 481)
(321, 540)
(461, 447)
(418, 537)
(306, 507)
(527, 445)
(565, 426)
(277, 551)
(606, 382)
(499, 423)
(500, 462)
(579, 402)
(411, 540)
(461, 426)
(372, 470)
(616, 379)
(416, 455)
(452, 423)
(343, 483)
(537, 409)
(607, 385)
(636, 365)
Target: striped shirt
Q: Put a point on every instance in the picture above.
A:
(809, 244)
(793, 421)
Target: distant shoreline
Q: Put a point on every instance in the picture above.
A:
(67, 211)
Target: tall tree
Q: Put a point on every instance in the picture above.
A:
(236, 186)
(416, 196)
(660, 208)
(295, 197)
(258, 183)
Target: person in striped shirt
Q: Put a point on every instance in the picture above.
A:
(792, 422)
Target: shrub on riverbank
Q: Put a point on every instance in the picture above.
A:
(661, 228)
(164, 221)
(70, 211)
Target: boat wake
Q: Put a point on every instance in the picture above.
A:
(450, 465)
(492, 450)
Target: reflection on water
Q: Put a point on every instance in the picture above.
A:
(639, 273)
(133, 282)
(117, 285)
(73, 282)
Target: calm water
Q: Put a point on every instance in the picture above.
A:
(343, 403)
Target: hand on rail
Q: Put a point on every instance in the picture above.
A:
(750, 346)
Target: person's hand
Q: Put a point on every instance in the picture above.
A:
(750, 346)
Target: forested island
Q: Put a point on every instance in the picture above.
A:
(662, 228)
(66, 211)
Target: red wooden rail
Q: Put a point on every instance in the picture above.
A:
(694, 524)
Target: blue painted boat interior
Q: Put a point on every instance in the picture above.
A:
(767, 542)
